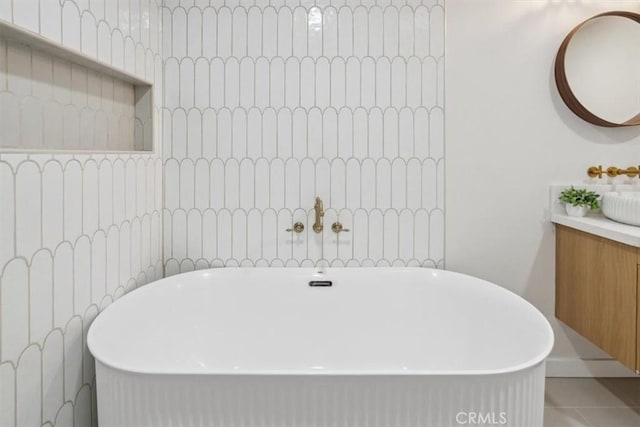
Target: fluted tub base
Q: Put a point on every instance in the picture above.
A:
(128, 399)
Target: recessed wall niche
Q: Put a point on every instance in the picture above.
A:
(52, 98)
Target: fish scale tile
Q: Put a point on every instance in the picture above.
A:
(269, 104)
(78, 230)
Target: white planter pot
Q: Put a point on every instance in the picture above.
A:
(576, 210)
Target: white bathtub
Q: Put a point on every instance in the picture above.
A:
(381, 347)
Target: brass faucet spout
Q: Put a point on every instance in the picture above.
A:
(318, 207)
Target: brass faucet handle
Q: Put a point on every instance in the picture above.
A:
(594, 171)
(633, 171)
(298, 227)
(336, 227)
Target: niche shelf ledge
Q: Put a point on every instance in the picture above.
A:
(16, 34)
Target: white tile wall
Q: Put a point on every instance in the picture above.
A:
(76, 230)
(268, 104)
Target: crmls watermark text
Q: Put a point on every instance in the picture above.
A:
(481, 418)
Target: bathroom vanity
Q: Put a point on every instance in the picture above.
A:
(598, 283)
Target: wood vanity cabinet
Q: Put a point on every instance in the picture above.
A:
(598, 292)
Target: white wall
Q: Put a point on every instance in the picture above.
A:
(267, 106)
(508, 137)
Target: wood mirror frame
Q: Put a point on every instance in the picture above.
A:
(567, 94)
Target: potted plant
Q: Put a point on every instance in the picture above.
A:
(578, 202)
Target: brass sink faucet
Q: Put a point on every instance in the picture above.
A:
(612, 171)
(318, 207)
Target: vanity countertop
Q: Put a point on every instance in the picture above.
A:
(595, 223)
(601, 226)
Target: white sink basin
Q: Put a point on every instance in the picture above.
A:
(622, 206)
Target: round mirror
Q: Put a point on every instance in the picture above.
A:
(598, 69)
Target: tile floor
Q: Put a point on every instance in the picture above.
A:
(588, 402)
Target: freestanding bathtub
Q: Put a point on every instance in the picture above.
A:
(383, 347)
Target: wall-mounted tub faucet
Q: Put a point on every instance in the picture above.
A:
(318, 226)
(318, 207)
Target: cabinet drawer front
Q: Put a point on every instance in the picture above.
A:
(597, 292)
